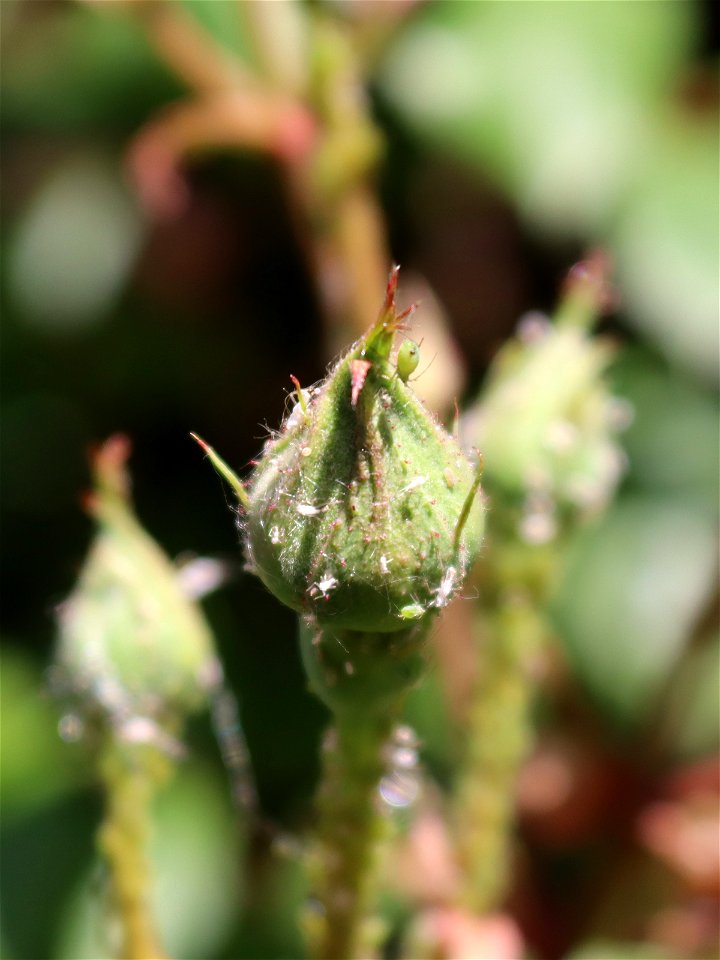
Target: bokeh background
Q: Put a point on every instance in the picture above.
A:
(517, 136)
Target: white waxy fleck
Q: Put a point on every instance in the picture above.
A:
(297, 414)
(200, 576)
(533, 326)
(384, 565)
(561, 436)
(444, 591)
(140, 729)
(414, 484)
(307, 510)
(405, 758)
(538, 527)
(620, 413)
(71, 728)
(275, 535)
(405, 736)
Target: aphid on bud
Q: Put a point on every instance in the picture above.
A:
(412, 611)
(408, 359)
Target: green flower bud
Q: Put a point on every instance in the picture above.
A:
(131, 645)
(362, 511)
(546, 421)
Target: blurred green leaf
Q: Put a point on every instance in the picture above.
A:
(573, 110)
(672, 443)
(614, 950)
(667, 247)
(223, 20)
(553, 100)
(66, 66)
(74, 246)
(44, 852)
(195, 862)
(691, 712)
(37, 767)
(634, 588)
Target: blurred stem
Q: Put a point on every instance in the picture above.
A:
(194, 56)
(499, 736)
(349, 832)
(277, 37)
(302, 98)
(130, 777)
(586, 292)
(339, 219)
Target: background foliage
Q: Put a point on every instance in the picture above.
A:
(517, 136)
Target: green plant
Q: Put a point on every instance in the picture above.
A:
(519, 758)
(134, 658)
(361, 515)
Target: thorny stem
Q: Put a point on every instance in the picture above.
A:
(130, 778)
(499, 734)
(365, 690)
(350, 831)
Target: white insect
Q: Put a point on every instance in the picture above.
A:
(298, 414)
(323, 587)
(445, 590)
(414, 484)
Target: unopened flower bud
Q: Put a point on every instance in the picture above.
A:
(362, 512)
(546, 421)
(131, 645)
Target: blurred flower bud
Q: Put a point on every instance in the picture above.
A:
(362, 511)
(132, 649)
(546, 421)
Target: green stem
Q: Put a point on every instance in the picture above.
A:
(130, 778)
(499, 737)
(351, 829)
(363, 678)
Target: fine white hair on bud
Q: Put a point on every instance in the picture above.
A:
(362, 511)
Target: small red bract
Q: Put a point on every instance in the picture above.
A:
(359, 371)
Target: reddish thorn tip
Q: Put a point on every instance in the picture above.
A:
(392, 287)
(200, 442)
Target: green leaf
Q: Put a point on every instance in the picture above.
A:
(554, 100)
(634, 588)
(33, 777)
(223, 20)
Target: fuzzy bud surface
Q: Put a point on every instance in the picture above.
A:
(362, 511)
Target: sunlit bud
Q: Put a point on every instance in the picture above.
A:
(362, 512)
